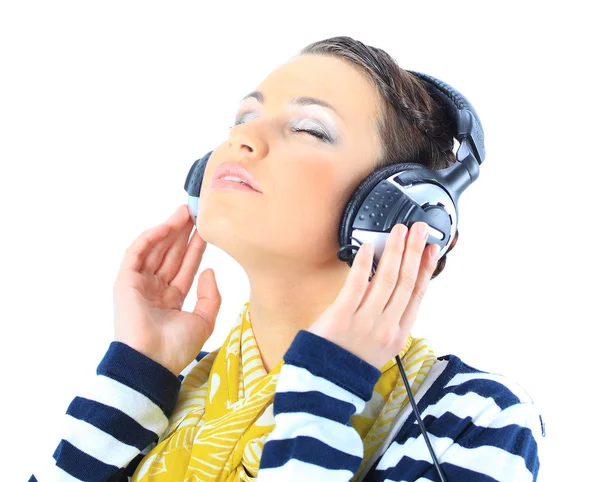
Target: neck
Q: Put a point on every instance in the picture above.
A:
(282, 305)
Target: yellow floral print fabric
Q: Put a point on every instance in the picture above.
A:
(224, 411)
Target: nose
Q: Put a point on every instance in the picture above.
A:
(248, 140)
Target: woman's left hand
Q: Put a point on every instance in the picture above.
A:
(373, 319)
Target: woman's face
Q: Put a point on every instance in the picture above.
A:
(305, 180)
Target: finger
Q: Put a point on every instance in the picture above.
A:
(357, 280)
(409, 271)
(176, 222)
(189, 266)
(138, 251)
(172, 258)
(386, 277)
(428, 264)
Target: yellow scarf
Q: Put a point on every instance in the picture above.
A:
(224, 412)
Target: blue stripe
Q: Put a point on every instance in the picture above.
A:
(81, 465)
(137, 371)
(133, 464)
(410, 469)
(486, 388)
(448, 425)
(325, 359)
(119, 476)
(459, 365)
(112, 421)
(201, 355)
(307, 449)
(314, 402)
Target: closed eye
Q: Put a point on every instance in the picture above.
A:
(318, 134)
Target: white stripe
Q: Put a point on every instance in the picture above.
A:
(252, 364)
(258, 373)
(251, 352)
(189, 404)
(417, 450)
(296, 379)
(513, 386)
(235, 336)
(248, 382)
(463, 406)
(334, 434)
(48, 471)
(247, 339)
(491, 461)
(97, 443)
(297, 470)
(135, 404)
(524, 414)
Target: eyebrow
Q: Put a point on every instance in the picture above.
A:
(259, 96)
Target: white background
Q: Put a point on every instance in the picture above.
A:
(104, 106)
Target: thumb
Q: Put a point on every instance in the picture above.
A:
(209, 297)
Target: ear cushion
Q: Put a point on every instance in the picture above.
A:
(365, 187)
(193, 181)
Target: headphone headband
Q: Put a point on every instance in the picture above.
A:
(465, 121)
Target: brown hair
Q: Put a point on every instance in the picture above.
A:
(412, 127)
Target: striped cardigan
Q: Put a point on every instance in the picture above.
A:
(482, 426)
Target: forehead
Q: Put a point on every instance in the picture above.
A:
(328, 78)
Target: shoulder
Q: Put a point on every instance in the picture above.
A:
(479, 423)
(482, 398)
(460, 378)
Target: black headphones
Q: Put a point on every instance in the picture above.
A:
(402, 193)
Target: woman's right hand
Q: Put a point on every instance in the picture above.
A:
(153, 281)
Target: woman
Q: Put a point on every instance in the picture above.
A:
(305, 385)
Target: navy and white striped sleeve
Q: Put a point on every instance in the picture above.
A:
(320, 386)
(108, 428)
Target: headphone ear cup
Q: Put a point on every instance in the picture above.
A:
(399, 193)
(193, 183)
(362, 191)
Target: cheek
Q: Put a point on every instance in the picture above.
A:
(307, 200)
(312, 183)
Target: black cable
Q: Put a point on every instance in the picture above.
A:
(349, 258)
(419, 421)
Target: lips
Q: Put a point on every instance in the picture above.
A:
(237, 170)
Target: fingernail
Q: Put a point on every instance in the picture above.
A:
(435, 251)
(369, 248)
(423, 230)
(400, 231)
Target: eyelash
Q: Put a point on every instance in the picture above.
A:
(317, 134)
